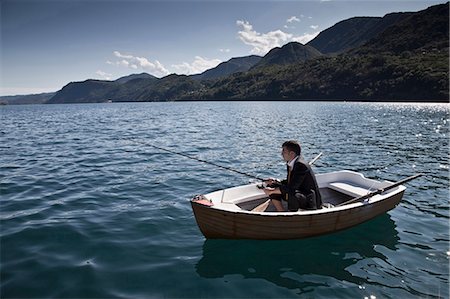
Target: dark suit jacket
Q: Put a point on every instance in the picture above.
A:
(302, 181)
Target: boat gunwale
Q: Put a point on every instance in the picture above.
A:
(335, 209)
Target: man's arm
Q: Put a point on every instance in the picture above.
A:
(298, 175)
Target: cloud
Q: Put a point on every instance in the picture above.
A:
(103, 75)
(293, 19)
(314, 27)
(118, 54)
(261, 42)
(225, 50)
(199, 65)
(134, 62)
(264, 42)
(306, 37)
(123, 62)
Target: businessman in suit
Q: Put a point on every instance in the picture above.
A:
(300, 188)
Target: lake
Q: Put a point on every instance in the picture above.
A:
(90, 210)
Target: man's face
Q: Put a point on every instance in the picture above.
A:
(287, 155)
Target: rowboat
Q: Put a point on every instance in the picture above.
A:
(348, 199)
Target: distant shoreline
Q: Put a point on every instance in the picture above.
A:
(244, 100)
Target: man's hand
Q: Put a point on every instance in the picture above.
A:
(271, 181)
(270, 191)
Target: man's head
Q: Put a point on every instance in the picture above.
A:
(290, 150)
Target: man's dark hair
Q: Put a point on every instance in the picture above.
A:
(293, 146)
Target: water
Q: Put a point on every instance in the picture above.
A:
(89, 210)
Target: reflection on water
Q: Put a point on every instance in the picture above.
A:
(300, 264)
(89, 209)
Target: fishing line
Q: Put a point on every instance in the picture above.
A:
(200, 160)
(207, 162)
(211, 163)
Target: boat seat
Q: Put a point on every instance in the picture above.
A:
(349, 189)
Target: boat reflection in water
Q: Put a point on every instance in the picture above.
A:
(299, 265)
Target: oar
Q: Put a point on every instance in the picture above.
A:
(315, 159)
(379, 191)
(262, 207)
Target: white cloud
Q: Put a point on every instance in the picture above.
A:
(103, 75)
(264, 42)
(306, 37)
(199, 65)
(225, 50)
(293, 19)
(314, 27)
(261, 42)
(135, 62)
(118, 54)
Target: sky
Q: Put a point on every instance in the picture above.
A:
(47, 44)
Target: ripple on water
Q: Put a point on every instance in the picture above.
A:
(88, 207)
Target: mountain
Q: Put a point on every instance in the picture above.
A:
(132, 89)
(89, 91)
(125, 88)
(399, 57)
(125, 79)
(353, 32)
(425, 30)
(234, 65)
(40, 98)
(169, 88)
(147, 89)
(408, 61)
(292, 52)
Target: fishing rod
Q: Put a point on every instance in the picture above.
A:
(207, 162)
(217, 165)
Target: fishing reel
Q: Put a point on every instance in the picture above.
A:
(264, 185)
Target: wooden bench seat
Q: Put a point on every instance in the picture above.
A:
(348, 189)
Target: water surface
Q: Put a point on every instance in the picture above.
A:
(89, 209)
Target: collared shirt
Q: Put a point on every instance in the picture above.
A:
(292, 162)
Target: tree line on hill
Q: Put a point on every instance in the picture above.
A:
(398, 57)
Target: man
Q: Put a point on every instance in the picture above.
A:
(300, 188)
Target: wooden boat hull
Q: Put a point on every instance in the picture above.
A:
(222, 224)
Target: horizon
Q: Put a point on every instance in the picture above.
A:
(41, 38)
